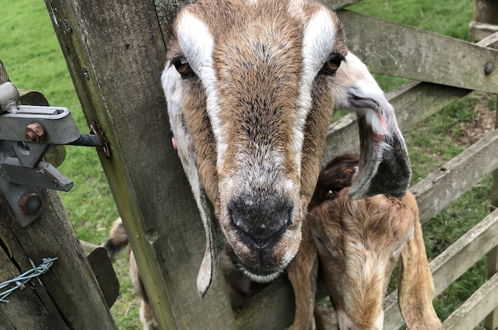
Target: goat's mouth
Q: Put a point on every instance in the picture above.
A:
(260, 275)
(267, 264)
(266, 278)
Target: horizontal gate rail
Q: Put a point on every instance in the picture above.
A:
(475, 309)
(452, 263)
(459, 175)
(403, 51)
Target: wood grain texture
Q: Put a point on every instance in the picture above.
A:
(491, 321)
(452, 263)
(407, 52)
(70, 297)
(485, 11)
(115, 54)
(459, 175)
(471, 313)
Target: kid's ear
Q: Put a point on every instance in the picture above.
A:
(416, 288)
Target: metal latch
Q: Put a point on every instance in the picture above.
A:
(26, 132)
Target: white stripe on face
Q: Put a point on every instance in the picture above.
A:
(196, 43)
(318, 42)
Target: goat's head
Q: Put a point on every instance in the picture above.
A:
(359, 243)
(254, 81)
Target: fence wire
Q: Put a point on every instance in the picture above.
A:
(20, 281)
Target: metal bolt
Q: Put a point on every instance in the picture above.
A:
(67, 26)
(86, 74)
(35, 132)
(30, 203)
(489, 68)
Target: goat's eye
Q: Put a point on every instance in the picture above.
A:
(332, 64)
(183, 68)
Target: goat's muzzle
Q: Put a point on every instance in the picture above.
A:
(261, 224)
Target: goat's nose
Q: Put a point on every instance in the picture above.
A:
(262, 220)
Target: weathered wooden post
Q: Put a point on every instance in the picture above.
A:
(491, 322)
(70, 297)
(485, 19)
(485, 23)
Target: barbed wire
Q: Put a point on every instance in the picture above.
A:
(20, 281)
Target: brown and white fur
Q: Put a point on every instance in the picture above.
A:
(352, 87)
(359, 243)
(250, 94)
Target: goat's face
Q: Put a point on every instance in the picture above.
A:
(253, 84)
(256, 97)
(359, 243)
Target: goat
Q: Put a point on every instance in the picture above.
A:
(118, 240)
(358, 243)
(250, 87)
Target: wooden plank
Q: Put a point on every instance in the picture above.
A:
(115, 53)
(70, 297)
(485, 11)
(475, 308)
(414, 102)
(491, 322)
(22, 302)
(404, 51)
(452, 263)
(446, 184)
(98, 259)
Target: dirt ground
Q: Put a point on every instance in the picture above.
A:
(483, 123)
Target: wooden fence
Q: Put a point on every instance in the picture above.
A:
(115, 51)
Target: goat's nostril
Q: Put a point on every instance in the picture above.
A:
(261, 219)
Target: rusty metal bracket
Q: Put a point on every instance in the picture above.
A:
(26, 132)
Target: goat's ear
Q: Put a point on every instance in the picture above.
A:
(183, 143)
(416, 288)
(214, 244)
(384, 165)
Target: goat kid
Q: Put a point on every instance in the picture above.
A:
(358, 243)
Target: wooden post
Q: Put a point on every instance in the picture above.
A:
(70, 297)
(484, 23)
(485, 19)
(491, 322)
(115, 52)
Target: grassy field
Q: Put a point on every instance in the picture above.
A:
(30, 52)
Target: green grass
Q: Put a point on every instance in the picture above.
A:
(30, 51)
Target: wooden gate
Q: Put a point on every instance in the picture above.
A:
(116, 50)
